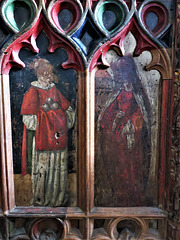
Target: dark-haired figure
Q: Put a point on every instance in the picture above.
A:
(47, 116)
(123, 140)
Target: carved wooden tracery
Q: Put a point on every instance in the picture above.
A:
(87, 37)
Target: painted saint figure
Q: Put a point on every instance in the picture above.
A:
(123, 140)
(47, 116)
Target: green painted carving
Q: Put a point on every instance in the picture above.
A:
(110, 15)
(25, 6)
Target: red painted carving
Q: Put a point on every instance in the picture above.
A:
(162, 14)
(28, 40)
(70, 5)
(143, 43)
(46, 2)
(93, 3)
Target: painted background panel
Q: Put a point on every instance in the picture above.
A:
(65, 83)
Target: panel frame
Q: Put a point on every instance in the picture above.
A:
(86, 212)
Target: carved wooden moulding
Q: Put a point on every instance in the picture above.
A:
(44, 228)
(86, 109)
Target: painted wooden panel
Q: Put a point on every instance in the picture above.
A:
(44, 136)
(86, 110)
(127, 110)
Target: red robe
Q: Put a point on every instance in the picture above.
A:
(48, 123)
(124, 168)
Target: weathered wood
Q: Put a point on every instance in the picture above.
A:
(87, 38)
(46, 212)
(144, 212)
